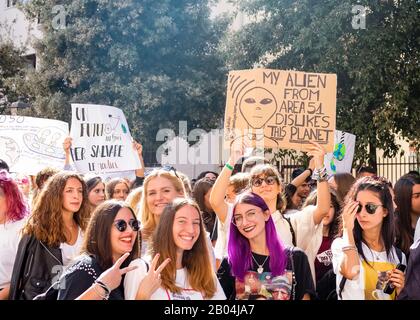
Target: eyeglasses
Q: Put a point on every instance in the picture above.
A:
(270, 180)
(370, 208)
(121, 225)
(238, 220)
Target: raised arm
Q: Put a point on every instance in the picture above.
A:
(139, 149)
(66, 147)
(323, 193)
(218, 192)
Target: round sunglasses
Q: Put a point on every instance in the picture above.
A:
(270, 180)
(121, 225)
(370, 208)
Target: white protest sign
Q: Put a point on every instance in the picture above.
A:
(30, 144)
(341, 159)
(102, 141)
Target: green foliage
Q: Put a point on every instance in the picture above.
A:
(156, 60)
(377, 67)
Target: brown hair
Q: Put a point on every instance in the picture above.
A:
(147, 218)
(97, 240)
(239, 181)
(46, 220)
(269, 170)
(197, 260)
(344, 181)
(110, 187)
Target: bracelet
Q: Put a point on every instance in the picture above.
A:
(347, 248)
(227, 165)
(104, 286)
(321, 175)
(105, 296)
(310, 170)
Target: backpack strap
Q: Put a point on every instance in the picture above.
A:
(341, 287)
(291, 230)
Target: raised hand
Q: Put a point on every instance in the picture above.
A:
(317, 152)
(152, 281)
(349, 215)
(67, 144)
(112, 277)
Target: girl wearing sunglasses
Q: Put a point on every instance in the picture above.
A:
(13, 210)
(111, 243)
(258, 264)
(365, 258)
(184, 272)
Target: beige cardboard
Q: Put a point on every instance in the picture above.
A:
(280, 109)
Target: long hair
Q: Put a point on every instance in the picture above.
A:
(334, 227)
(201, 187)
(97, 240)
(40, 179)
(239, 249)
(200, 272)
(147, 218)
(15, 203)
(344, 181)
(269, 170)
(46, 220)
(91, 183)
(133, 199)
(403, 194)
(110, 187)
(381, 188)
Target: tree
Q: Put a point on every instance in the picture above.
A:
(377, 66)
(156, 60)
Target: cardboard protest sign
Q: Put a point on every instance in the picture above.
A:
(101, 140)
(341, 159)
(30, 144)
(280, 109)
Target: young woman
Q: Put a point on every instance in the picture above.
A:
(266, 182)
(96, 192)
(117, 189)
(201, 194)
(13, 210)
(111, 234)
(52, 236)
(319, 250)
(185, 273)
(365, 256)
(407, 199)
(133, 199)
(258, 265)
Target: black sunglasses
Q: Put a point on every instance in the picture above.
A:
(270, 180)
(121, 225)
(370, 208)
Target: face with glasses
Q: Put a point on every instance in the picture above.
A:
(250, 220)
(123, 232)
(370, 212)
(266, 186)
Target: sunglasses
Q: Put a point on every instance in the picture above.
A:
(370, 208)
(270, 180)
(121, 225)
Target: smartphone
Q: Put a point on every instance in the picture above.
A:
(389, 288)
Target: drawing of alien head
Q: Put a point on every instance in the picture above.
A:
(257, 106)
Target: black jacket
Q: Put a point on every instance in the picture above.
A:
(35, 268)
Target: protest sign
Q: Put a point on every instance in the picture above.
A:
(30, 144)
(341, 159)
(101, 140)
(280, 109)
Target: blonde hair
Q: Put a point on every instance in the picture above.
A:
(147, 218)
(133, 199)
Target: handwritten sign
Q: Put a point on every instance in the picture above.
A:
(101, 140)
(280, 109)
(30, 144)
(341, 159)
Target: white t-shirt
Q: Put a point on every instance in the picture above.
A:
(9, 242)
(220, 249)
(133, 278)
(69, 252)
(370, 282)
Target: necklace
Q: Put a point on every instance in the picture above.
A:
(260, 266)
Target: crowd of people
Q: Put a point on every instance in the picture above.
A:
(238, 234)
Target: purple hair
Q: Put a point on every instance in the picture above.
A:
(16, 206)
(239, 250)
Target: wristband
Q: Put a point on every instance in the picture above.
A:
(310, 170)
(227, 165)
(347, 248)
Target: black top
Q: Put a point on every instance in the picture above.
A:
(80, 276)
(295, 282)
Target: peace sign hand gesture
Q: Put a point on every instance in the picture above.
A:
(112, 276)
(152, 281)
